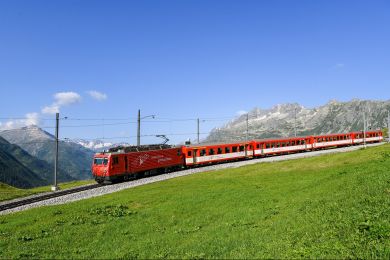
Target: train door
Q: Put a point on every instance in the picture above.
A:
(194, 152)
(126, 163)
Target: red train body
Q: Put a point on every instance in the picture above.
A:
(214, 153)
(123, 163)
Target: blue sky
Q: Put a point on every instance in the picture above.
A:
(184, 60)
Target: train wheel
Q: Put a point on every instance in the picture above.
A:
(99, 181)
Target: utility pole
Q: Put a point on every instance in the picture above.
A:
(55, 187)
(139, 128)
(198, 130)
(247, 126)
(364, 129)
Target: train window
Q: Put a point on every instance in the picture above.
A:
(242, 148)
(227, 150)
(277, 144)
(178, 152)
(219, 151)
(211, 151)
(257, 146)
(292, 143)
(189, 153)
(100, 161)
(250, 147)
(115, 160)
(234, 149)
(203, 152)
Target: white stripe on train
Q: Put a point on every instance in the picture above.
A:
(217, 157)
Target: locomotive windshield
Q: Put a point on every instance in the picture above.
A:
(100, 161)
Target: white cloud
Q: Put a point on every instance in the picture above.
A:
(61, 99)
(51, 109)
(30, 119)
(241, 112)
(97, 95)
(66, 98)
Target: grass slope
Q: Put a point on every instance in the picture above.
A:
(9, 192)
(333, 206)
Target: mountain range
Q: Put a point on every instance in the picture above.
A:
(74, 159)
(284, 119)
(20, 169)
(96, 144)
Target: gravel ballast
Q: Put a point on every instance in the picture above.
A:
(126, 185)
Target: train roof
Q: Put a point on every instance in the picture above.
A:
(281, 138)
(217, 143)
(135, 148)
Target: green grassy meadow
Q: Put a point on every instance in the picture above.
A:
(332, 206)
(8, 192)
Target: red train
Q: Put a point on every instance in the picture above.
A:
(123, 163)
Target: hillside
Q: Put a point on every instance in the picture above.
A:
(9, 192)
(74, 159)
(279, 121)
(330, 206)
(14, 173)
(20, 169)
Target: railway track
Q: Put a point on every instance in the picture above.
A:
(46, 196)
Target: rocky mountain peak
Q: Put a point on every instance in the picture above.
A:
(26, 134)
(283, 119)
